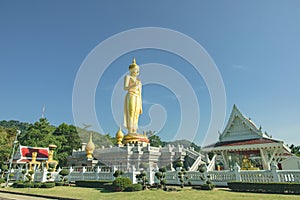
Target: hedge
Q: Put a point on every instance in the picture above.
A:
(18, 185)
(272, 187)
(48, 185)
(133, 188)
(91, 183)
(21, 184)
(37, 184)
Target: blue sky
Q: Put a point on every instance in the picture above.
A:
(254, 44)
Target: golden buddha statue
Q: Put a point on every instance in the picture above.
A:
(133, 104)
(33, 162)
(50, 158)
(247, 165)
(133, 98)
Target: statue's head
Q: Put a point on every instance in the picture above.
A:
(134, 68)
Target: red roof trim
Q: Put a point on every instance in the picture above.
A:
(243, 142)
(26, 152)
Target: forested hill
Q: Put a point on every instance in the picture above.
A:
(98, 139)
(185, 143)
(22, 126)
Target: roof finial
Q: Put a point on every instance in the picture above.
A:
(90, 147)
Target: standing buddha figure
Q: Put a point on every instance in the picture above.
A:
(133, 98)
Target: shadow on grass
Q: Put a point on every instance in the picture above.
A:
(224, 189)
(102, 190)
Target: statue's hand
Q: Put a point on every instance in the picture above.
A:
(138, 82)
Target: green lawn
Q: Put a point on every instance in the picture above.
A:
(187, 193)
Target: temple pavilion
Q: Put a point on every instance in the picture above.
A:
(33, 158)
(245, 144)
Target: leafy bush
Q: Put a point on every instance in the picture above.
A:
(19, 185)
(2, 180)
(48, 185)
(182, 175)
(4, 167)
(51, 165)
(133, 188)
(163, 170)
(161, 177)
(121, 183)
(49, 175)
(118, 173)
(201, 170)
(91, 183)
(178, 164)
(142, 179)
(28, 185)
(37, 184)
(64, 172)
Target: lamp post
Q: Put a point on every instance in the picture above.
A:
(12, 157)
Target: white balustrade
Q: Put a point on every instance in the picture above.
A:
(219, 178)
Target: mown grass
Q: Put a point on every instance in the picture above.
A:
(186, 193)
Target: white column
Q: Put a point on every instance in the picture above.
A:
(224, 155)
(264, 160)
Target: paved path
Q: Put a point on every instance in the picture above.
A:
(8, 196)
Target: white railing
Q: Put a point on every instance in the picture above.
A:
(222, 176)
(219, 178)
(256, 176)
(289, 176)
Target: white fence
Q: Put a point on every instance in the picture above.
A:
(219, 178)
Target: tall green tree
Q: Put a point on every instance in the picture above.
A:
(67, 139)
(155, 141)
(38, 134)
(7, 137)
